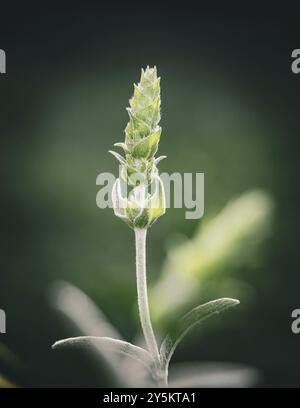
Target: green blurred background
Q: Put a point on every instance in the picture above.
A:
(230, 108)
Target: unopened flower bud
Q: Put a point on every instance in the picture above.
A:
(139, 166)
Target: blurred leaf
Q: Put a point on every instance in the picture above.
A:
(4, 383)
(86, 316)
(221, 241)
(81, 310)
(9, 358)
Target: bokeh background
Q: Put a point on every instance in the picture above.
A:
(230, 109)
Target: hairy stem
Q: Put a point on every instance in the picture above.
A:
(143, 304)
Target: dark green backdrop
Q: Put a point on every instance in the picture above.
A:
(230, 109)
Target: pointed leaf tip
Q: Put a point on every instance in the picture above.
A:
(188, 321)
(118, 156)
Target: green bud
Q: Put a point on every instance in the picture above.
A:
(138, 168)
(148, 146)
(140, 209)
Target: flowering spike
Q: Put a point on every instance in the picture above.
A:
(138, 168)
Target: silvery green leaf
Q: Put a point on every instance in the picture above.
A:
(109, 344)
(137, 375)
(188, 321)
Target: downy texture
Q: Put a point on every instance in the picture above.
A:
(138, 169)
(144, 204)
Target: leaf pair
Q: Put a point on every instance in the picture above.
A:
(109, 346)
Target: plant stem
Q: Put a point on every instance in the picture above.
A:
(143, 304)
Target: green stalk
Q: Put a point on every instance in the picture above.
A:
(143, 304)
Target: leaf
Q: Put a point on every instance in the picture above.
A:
(188, 321)
(147, 147)
(123, 146)
(156, 161)
(77, 307)
(88, 319)
(218, 244)
(4, 383)
(109, 344)
(118, 157)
